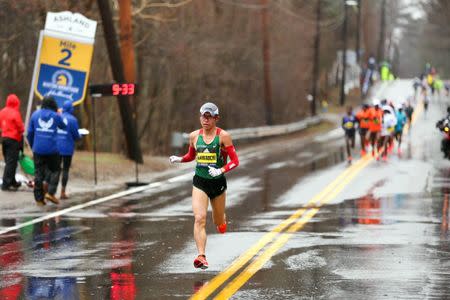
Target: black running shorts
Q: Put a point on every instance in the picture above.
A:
(211, 187)
(350, 133)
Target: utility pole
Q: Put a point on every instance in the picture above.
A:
(126, 112)
(316, 60)
(344, 56)
(126, 40)
(380, 53)
(128, 59)
(358, 32)
(266, 58)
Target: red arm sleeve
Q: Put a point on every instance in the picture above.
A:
(234, 160)
(190, 156)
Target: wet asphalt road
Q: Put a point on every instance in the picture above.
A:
(384, 236)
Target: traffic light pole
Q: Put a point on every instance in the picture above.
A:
(266, 58)
(316, 60)
(94, 132)
(358, 33)
(344, 57)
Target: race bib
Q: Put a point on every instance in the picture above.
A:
(348, 125)
(390, 129)
(206, 158)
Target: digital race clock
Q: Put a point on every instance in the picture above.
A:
(113, 89)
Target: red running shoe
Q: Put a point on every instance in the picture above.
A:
(363, 152)
(200, 262)
(222, 228)
(384, 157)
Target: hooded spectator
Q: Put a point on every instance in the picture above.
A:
(41, 135)
(66, 144)
(11, 125)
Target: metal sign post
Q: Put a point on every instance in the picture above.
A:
(33, 80)
(94, 132)
(113, 89)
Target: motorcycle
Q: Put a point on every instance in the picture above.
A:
(444, 127)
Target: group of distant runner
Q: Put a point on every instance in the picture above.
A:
(378, 126)
(430, 80)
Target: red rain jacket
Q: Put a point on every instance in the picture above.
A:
(11, 123)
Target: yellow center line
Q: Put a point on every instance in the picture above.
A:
(218, 280)
(259, 262)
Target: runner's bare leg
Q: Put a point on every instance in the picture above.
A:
(200, 209)
(218, 209)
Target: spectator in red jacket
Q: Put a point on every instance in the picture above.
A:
(12, 128)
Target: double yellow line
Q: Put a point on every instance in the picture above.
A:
(295, 222)
(280, 235)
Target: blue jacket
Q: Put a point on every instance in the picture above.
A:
(349, 123)
(66, 137)
(401, 121)
(41, 132)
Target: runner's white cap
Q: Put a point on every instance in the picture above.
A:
(376, 102)
(209, 107)
(388, 108)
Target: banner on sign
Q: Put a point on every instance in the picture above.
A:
(63, 70)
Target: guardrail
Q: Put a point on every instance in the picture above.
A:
(181, 139)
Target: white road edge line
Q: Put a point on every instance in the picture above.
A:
(84, 205)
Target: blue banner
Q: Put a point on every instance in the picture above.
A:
(61, 83)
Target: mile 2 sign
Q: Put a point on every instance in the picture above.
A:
(64, 57)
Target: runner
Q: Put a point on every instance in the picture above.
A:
(387, 130)
(401, 121)
(375, 118)
(392, 136)
(409, 110)
(417, 85)
(348, 124)
(426, 102)
(363, 119)
(210, 147)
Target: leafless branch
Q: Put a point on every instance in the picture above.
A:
(169, 5)
(10, 39)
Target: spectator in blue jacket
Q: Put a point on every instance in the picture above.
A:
(66, 144)
(41, 135)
